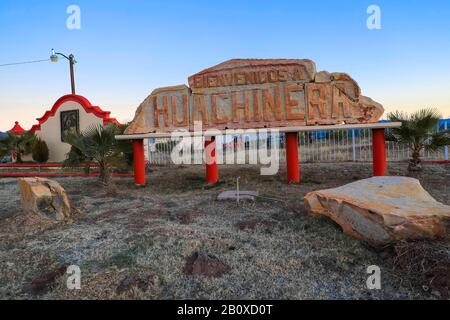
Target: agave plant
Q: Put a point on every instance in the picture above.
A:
(418, 132)
(96, 145)
(18, 145)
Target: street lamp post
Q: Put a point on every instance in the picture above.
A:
(72, 61)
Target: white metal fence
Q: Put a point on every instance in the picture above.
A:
(320, 146)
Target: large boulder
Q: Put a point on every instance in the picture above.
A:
(45, 198)
(381, 210)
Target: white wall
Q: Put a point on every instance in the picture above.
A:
(51, 130)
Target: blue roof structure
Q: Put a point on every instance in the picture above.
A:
(444, 124)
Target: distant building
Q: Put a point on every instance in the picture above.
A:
(17, 129)
(70, 113)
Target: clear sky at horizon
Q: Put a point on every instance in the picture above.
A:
(125, 49)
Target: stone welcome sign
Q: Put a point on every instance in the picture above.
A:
(256, 93)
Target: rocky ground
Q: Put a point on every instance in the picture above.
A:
(156, 242)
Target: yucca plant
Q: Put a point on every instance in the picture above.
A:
(418, 132)
(96, 145)
(18, 145)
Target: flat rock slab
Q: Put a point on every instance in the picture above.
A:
(45, 198)
(381, 210)
(232, 195)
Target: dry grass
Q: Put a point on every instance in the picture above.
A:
(140, 239)
(428, 262)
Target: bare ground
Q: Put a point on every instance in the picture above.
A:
(136, 244)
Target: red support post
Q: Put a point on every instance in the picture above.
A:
(212, 170)
(139, 162)
(292, 163)
(379, 152)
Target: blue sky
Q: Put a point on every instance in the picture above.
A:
(125, 49)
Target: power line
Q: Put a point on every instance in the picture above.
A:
(23, 62)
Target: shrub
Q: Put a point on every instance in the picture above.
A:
(40, 151)
(17, 145)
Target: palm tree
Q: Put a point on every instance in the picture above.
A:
(18, 145)
(96, 145)
(418, 132)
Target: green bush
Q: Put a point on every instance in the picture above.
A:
(40, 151)
(18, 145)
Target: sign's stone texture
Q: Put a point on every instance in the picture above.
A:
(238, 72)
(381, 210)
(256, 93)
(346, 84)
(165, 109)
(44, 197)
(323, 76)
